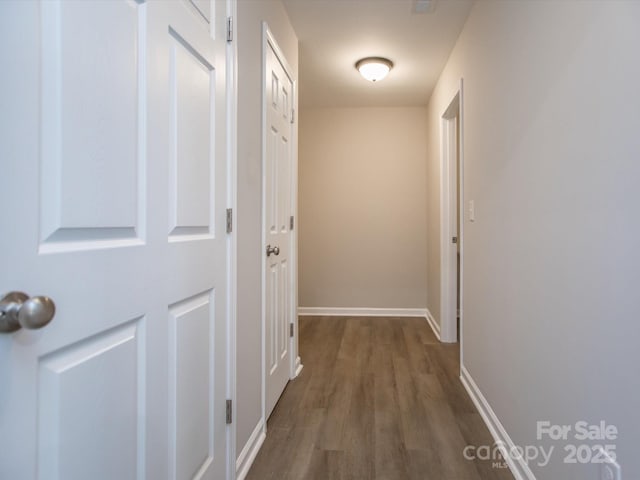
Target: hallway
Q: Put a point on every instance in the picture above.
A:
(378, 398)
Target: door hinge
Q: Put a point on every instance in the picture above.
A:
(291, 329)
(454, 240)
(293, 115)
(291, 222)
(229, 411)
(229, 220)
(229, 29)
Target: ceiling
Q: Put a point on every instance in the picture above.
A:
(334, 34)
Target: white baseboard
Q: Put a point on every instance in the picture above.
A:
(372, 312)
(433, 324)
(250, 451)
(298, 366)
(519, 468)
(361, 312)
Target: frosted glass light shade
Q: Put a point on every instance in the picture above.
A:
(374, 69)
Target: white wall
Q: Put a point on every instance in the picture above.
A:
(362, 205)
(251, 14)
(552, 266)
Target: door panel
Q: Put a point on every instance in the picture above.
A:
(113, 134)
(104, 372)
(81, 166)
(192, 83)
(272, 317)
(203, 7)
(277, 210)
(282, 345)
(191, 389)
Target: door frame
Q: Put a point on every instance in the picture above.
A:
(269, 41)
(451, 120)
(231, 73)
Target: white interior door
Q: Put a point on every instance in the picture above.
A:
(112, 143)
(278, 208)
(449, 224)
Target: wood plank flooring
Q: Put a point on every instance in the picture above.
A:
(379, 398)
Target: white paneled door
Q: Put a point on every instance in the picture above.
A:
(114, 169)
(278, 210)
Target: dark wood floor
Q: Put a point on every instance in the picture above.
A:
(379, 398)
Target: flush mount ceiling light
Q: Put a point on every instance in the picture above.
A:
(374, 69)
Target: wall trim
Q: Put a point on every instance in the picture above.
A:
(433, 324)
(519, 468)
(371, 312)
(361, 312)
(297, 367)
(250, 451)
